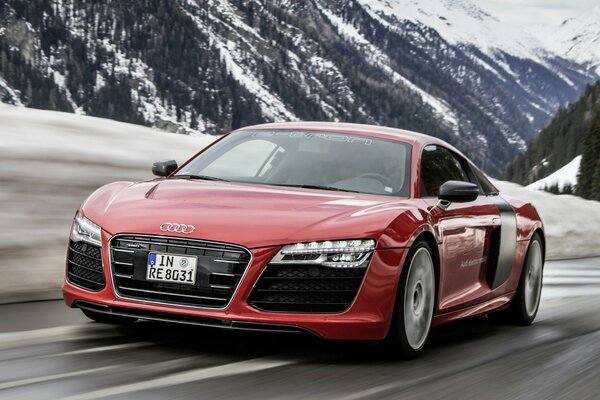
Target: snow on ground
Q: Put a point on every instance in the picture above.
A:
(563, 176)
(572, 224)
(51, 162)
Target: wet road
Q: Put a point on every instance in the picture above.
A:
(48, 351)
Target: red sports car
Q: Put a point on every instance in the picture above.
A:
(345, 231)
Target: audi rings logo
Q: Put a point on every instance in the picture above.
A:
(177, 228)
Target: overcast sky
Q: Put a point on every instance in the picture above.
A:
(537, 12)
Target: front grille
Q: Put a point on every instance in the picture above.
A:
(219, 270)
(84, 266)
(306, 288)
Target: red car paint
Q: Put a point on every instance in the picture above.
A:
(263, 218)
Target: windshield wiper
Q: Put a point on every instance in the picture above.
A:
(199, 177)
(314, 187)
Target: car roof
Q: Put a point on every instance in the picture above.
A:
(363, 129)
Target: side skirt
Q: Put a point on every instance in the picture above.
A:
(477, 309)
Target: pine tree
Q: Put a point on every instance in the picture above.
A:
(553, 188)
(588, 179)
(595, 194)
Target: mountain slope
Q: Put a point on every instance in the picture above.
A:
(575, 39)
(559, 142)
(461, 22)
(208, 66)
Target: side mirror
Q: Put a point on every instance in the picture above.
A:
(164, 168)
(457, 191)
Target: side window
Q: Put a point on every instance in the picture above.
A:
(439, 165)
(486, 186)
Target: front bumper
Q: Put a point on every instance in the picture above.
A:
(368, 318)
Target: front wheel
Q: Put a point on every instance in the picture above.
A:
(524, 307)
(414, 303)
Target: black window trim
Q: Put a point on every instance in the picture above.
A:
(465, 164)
(478, 174)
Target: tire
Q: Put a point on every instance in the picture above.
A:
(108, 319)
(524, 307)
(415, 302)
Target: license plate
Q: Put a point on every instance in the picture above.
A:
(171, 268)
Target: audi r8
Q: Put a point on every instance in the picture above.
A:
(345, 231)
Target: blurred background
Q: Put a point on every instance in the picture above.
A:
(94, 92)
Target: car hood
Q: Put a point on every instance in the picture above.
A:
(246, 214)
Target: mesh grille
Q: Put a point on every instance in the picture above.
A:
(84, 266)
(306, 288)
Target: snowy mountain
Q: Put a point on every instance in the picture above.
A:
(462, 22)
(576, 39)
(442, 67)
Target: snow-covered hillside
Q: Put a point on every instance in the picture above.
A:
(462, 22)
(575, 39)
(566, 175)
(572, 224)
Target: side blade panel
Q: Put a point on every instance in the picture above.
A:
(508, 242)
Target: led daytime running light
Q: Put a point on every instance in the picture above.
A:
(339, 246)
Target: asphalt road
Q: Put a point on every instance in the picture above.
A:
(48, 351)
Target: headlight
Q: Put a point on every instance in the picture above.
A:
(85, 230)
(335, 254)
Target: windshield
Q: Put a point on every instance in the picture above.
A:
(310, 159)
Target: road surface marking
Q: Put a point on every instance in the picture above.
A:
(557, 292)
(575, 272)
(47, 378)
(125, 346)
(567, 280)
(57, 334)
(199, 374)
